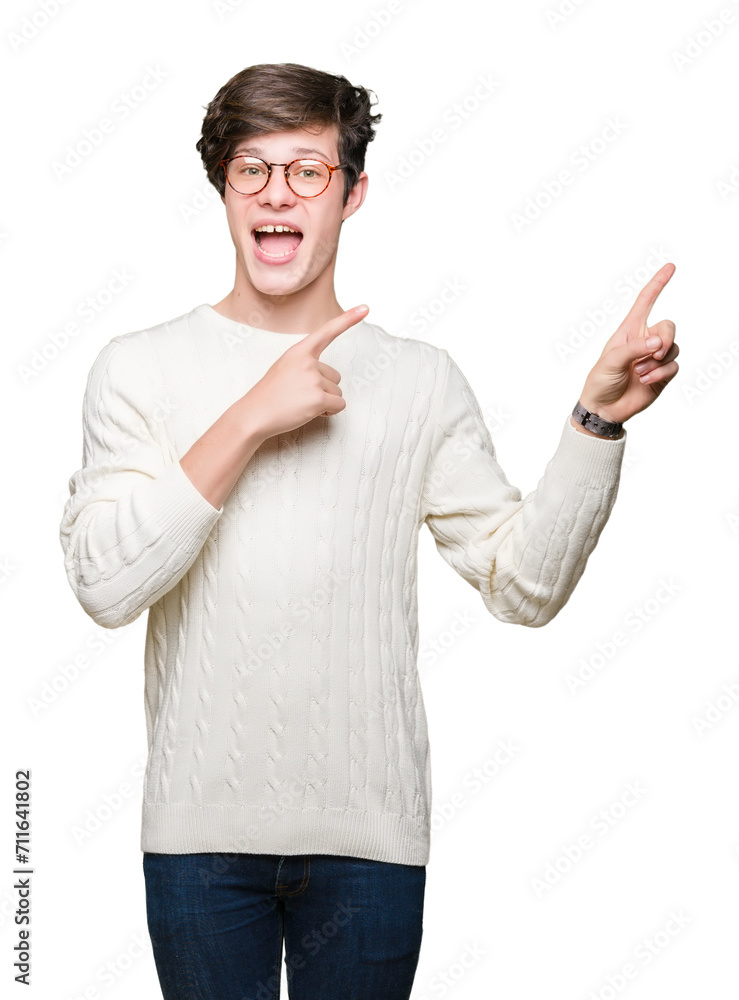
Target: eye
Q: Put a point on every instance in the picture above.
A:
(246, 168)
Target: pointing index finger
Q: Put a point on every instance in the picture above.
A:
(646, 298)
(319, 340)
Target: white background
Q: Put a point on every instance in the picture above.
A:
(663, 188)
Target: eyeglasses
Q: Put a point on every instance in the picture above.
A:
(305, 178)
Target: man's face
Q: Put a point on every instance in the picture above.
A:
(318, 219)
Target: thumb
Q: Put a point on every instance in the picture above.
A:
(640, 347)
(319, 340)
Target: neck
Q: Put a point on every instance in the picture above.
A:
(301, 311)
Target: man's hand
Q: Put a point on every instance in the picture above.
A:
(614, 388)
(299, 386)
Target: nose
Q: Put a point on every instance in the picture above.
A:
(277, 191)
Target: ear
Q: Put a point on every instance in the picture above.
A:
(356, 196)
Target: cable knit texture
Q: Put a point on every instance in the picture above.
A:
(283, 707)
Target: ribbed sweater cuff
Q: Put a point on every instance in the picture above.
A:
(188, 828)
(180, 508)
(586, 460)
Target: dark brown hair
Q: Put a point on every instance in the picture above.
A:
(279, 97)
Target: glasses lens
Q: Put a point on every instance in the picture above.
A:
(308, 177)
(247, 175)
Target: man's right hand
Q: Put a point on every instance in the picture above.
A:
(299, 386)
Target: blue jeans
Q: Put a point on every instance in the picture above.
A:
(351, 927)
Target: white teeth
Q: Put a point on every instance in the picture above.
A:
(275, 229)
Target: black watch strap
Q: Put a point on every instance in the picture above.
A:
(592, 422)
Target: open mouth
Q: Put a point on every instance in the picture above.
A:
(277, 246)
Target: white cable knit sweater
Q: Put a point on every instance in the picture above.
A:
(283, 707)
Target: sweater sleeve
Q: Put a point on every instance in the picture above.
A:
(525, 556)
(134, 523)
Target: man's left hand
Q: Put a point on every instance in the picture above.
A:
(614, 388)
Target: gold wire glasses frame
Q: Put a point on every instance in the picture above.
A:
(331, 169)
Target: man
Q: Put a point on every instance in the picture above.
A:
(268, 519)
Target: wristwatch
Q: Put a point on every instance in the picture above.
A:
(592, 422)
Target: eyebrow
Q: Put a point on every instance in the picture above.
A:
(300, 150)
